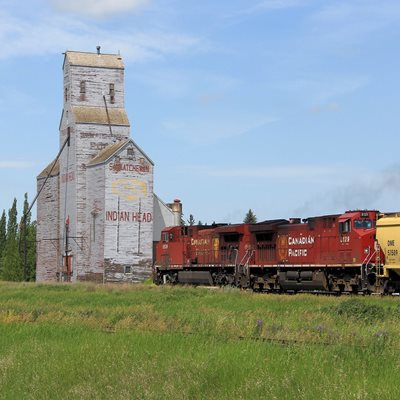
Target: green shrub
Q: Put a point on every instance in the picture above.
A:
(360, 310)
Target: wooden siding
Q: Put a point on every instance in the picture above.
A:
(120, 237)
(109, 205)
(95, 217)
(48, 248)
(97, 83)
(87, 140)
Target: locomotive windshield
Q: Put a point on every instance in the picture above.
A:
(362, 224)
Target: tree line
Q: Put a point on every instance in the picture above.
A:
(250, 218)
(17, 244)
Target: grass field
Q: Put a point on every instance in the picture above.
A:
(135, 342)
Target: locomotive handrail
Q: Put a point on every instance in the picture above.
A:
(236, 258)
(368, 258)
(237, 255)
(249, 253)
(364, 265)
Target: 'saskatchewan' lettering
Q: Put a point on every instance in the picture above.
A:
(118, 167)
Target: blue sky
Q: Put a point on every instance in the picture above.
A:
(288, 107)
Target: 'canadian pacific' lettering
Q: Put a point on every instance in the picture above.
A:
(300, 240)
(297, 252)
(200, 242)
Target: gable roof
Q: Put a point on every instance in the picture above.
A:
(108, 152)
(87, 59)
(98, 115)
(54, 172)
(163, 203)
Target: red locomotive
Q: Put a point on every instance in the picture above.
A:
(334, 253)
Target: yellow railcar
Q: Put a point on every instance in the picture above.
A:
(388, 238)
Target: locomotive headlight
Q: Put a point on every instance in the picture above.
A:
(366, 250)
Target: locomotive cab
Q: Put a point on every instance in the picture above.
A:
(357, 236)
(168, 249)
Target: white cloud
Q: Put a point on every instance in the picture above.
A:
(334, 87)
(342, 22)
(204, 85)
(11, 164)
(50, 34)
(322, 93)
(279, 4)
(209, 130)
(98, 8)
(384, 10)
(305, 172)
(14, 100)
(270, 5)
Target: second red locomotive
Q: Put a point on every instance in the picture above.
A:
(335, 253)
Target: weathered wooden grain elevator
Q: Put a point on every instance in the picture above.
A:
(97, 215)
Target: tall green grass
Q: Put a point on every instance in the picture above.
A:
(141, 341)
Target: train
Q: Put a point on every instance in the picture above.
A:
(354, 252)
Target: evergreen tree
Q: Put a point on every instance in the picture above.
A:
(250, 217)
(12, 226)
(183, 222)
(11, 260)
(3, 232)
(191, 220)
(27, 242)
(26, 217)
(200, 223)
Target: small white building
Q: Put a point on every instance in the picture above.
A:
(97, 215)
